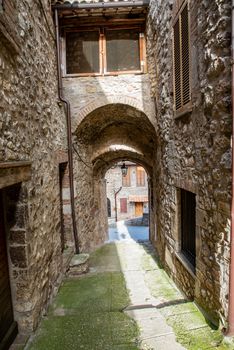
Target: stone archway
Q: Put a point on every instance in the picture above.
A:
(106, 135)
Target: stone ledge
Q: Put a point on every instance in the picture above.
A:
(79, 264)
(181, 258)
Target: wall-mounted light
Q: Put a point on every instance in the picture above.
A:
(124, 169)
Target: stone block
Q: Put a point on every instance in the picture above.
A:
(79, 264)
(18, 256)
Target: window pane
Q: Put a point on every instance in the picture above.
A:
(122, 50)
(82, 52)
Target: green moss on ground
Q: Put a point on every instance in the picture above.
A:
(105, 258)
(99, 331)
(87, 315)
(190, 327)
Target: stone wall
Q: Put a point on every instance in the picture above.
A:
(194, 150)
(32, 128)
(95, 92)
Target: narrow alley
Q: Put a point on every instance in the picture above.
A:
(116, 115)
(127, 302)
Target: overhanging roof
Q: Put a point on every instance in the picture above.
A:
(82, 4)
(73, 6)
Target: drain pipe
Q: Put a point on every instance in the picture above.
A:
(116, 214)
(230, 329)
(69, 134)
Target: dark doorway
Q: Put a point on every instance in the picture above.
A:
(188, 226)
(108, 207)
(8, 328)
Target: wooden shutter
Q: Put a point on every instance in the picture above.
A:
(177, 66)
(126, 180)
(140, 172)
(185, 55)
(123, 205)
(182, 89)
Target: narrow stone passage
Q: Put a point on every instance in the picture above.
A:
(125, 302)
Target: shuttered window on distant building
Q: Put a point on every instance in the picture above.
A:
(123, 205)
(126, 180)
(181, 62)
(140, 176)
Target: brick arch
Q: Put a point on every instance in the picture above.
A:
(104, 101)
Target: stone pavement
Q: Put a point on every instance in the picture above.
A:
(155, 332)
(120, 231)
(97, 311)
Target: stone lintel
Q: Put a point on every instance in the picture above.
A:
(14, 172)
(61, 156)
(185, 184)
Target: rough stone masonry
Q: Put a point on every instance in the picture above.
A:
(33, 129)
(195, 149)
(114, 118)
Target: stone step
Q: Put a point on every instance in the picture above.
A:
(79, 264)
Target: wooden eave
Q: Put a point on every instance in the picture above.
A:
(104, 9)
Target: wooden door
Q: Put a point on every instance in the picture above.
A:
(8, 328)
(123, 205)
(138, 208)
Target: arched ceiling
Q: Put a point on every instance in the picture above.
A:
(115, 132)
(115, 115)
(108, 159)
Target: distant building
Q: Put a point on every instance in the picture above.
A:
(128, 193)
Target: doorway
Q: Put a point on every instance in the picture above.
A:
(8, 327)
(138, 209)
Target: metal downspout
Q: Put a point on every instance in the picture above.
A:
(230, 329)
(69, 134)
(116, 214)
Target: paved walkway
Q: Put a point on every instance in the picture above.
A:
(122, 232)
(155, 332)
(125, 302)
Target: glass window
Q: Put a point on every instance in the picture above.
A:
(122, 50)
(82, 52)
